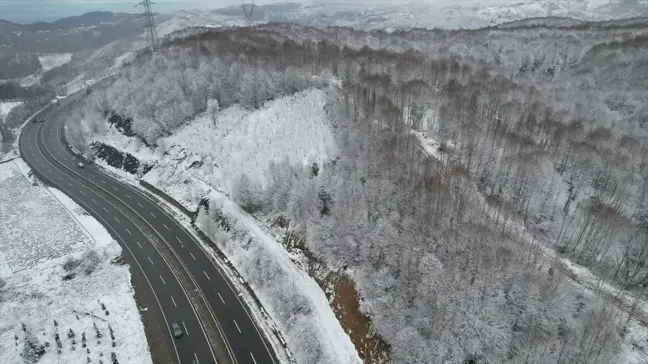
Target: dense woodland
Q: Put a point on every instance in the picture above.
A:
(535, 128)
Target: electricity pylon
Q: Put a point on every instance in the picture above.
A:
(248, 12)
(152, 39)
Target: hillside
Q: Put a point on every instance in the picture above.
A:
(468, 186)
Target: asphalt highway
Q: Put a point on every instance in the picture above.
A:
(141, 226)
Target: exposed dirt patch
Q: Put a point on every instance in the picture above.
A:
(343, 297)
(371, 347)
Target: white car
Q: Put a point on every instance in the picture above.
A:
(80, 165)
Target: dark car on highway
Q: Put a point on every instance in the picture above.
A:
(177, 330)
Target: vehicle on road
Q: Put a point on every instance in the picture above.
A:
(80, 165)
(177, 330)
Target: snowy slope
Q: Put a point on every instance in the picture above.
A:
(5, 108)
(288, 293)
(53, 60)
(214, 149)
(61, 275)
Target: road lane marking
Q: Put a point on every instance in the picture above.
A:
(93, 200)
(221, 297)
(152, 214)
(162, 278)
(237, 327)
(127, 196)
(140, 245)
(128, 231)
(195, 356)
(192, 255)
(150, 260)
(174, 304)
(114, 188)
(105, 209)
(83, 193)
(116, 219)
(102, 181)
(187, 331)
(166, 227)
(254, 360)
(206, 275)
(69, 184)
(140, 205)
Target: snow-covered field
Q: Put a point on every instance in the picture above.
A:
(65, 298)
(53, 60)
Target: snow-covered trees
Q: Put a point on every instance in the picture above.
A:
(464, 158)
(32, 348)
(247, 193)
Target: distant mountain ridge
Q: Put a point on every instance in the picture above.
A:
(22, 44)
(90, 19)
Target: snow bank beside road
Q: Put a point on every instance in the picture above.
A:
(289, 294)
(52, 300)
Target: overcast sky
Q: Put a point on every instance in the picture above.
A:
(25, 11)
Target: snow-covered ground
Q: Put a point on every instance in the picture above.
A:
(214, 149)
(53, 60)
(62, 280)
(5, 108)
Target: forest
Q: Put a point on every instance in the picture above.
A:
(471, 165)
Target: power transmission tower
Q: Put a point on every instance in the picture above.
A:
(151, 31)
(248, 12)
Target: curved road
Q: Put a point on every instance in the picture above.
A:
(142, 226)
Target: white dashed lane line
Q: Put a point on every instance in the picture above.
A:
(151, 260)
(192, 255)
(206, 275)
(174, 304)
(162, 278)
(237, 327)
(221, 297)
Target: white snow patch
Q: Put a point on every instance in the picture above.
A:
(5, 108)
(53, 60)
(237, 141)
(36, 293)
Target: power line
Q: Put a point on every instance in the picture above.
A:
(248, 12)
(152, 39)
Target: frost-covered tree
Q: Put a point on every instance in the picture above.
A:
(33, 350)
